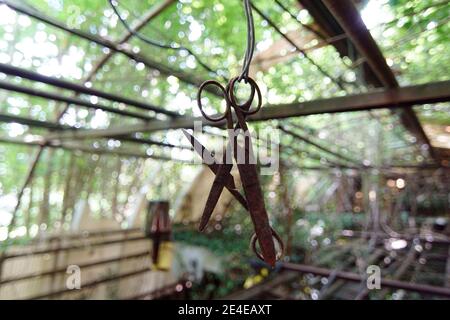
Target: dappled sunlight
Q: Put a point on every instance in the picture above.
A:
(351, 148)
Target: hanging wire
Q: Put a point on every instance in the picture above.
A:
(250, 41)
(172, 46)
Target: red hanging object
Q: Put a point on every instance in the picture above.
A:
(158, 226)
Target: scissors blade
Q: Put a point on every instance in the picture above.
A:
(255, 200)
(219, 183)
(214, 167)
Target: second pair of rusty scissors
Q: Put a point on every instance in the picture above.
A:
(253, 199)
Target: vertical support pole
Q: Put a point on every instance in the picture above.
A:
(28, 178)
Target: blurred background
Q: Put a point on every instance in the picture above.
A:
(99, 188)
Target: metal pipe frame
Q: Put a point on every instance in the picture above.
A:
(350, 20)
(8, 118)
(91, 150)
(120, 48)
(378, 99)
(64, 84)
(427, 238)
(354, 277)
(69, 100)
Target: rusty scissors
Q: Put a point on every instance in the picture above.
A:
(253, 199)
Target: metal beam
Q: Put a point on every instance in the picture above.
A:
(390, 98)
(354, 277)
(31, 122)
(34, 76)
(350, 20)
(54, 126)
(91, 150)
(69, 100)
(152, 142)
(430, 238)
(330, 28)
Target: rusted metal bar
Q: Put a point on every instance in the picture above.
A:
(350, 20)
(90, 284)
(32, 123)
(427, 238)
(396, 284)
(64, 84)
(387, 167)
(69, 100)
(73, 247)
(325, 22)
(388, 98)
(90, 150)
(152, 142)
(82, 266)
(6, 118)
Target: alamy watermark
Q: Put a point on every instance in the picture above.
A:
(257, 147)
(373, 277)
(73, 281)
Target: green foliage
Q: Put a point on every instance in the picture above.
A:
(415, 41)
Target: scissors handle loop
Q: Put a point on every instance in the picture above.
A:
(278, 239)
(245, 107)
(220, 117)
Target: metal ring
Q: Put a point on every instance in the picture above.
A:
(276, 236)
(245, 107)
(247, 104)
(225, 96)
